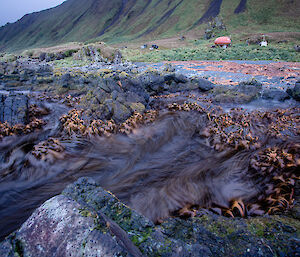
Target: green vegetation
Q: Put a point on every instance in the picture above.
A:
(70, 62)
(275, 52)
(116, 22)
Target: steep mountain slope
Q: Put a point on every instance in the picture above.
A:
(123, 20)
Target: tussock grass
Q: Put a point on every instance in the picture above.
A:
(274, 52)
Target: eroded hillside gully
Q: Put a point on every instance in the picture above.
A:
(163, 143)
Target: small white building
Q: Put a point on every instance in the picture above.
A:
(263, 42)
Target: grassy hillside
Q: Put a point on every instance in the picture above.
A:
(116, 21)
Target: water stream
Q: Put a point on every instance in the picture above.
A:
(156, 170)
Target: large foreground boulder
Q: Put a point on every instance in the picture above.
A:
(88, 221)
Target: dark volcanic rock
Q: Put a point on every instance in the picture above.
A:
(120, 112)
(87, 220)
(66, 80)
(203, 84)
(245, 92)
(154, 83)
(295, 92)
(13, 108)
(275, 94)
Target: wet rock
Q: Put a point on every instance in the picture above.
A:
(275, 94)
(66, 80)
(13, 108)
(245, 92)
(120, 112)
(295, 92)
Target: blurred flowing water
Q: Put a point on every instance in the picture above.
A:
(156, 170)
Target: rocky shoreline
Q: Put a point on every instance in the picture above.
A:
(106, 99)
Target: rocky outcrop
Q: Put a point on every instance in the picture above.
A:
(245, 92)
(295, 92)
(85, 220)
(275, 94)
(13, 108)
(99, 52)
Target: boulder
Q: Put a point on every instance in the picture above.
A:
(203, 84)
(295, 92)
(86, 220)
(245, 92)
(153, 83)
(13, 108)
(275, 94)
(120, 112)
(180, 78)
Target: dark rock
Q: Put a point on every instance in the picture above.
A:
(101, 96)
(59, 56)
(180, 78)
(24, 76)
(65, 80)
(117, 57)
(203, 84)
(49, 57)
(275, 94)
(120, 112)
(42, 56)
(109, 85)
(245, 92)
(295, 92)
(135, 86)
(44, 70)
(114, 95)
(154, 83)
(108, 109)
(13, 109)
(168, 68)
(132, 97)
(169, 78)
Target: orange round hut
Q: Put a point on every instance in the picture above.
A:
(223, 42)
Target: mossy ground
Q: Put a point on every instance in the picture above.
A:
(202, 51)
